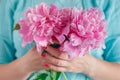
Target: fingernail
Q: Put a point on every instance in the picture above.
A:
(44, 47)
(46, 65)
(53, 38)
(43, 55)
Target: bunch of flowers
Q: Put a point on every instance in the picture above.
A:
(77, 31)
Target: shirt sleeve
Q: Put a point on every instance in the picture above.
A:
(7, 50)
(112, 14)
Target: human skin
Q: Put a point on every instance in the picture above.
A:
(59, 61)
(95, 68)
(22, 67)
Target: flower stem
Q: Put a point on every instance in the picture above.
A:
(65, 78)
(52, 74)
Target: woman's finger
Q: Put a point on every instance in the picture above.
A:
(55, 61)
(57, 68)
(56, 53)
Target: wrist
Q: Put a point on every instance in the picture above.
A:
(89, 65)
(19, 68)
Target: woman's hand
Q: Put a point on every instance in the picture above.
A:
(95, 68)
(22, 67)
(32, 61)
(59, 61)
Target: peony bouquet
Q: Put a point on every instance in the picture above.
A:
(77, 31)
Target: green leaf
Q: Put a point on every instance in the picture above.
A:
(42, 76)
(54, 75)
(58, 75)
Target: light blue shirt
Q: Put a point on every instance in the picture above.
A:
(12, 10)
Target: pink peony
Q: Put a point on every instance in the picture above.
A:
(87, 31)
(78, 31)
(38, 25)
